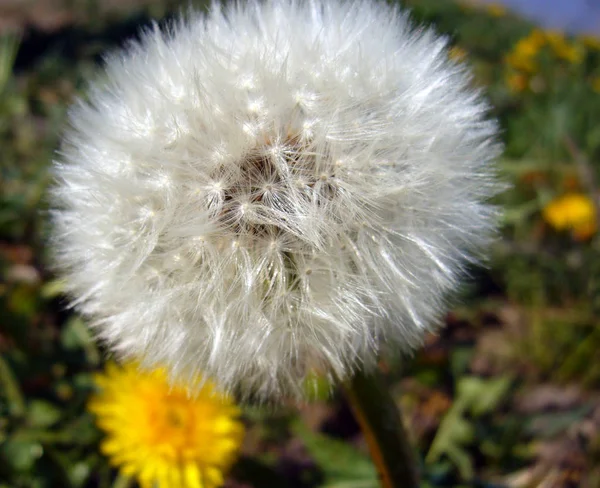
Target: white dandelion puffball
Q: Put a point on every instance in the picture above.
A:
(274, 189)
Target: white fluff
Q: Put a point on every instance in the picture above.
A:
(274, 189)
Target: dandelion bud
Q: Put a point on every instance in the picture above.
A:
(272, 190)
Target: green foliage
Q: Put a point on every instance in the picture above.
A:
(477, 397)
(9, 44)
(343, 466)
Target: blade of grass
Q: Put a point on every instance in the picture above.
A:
(9, 45)
(16, 401)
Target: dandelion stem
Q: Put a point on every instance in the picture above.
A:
(381, 423)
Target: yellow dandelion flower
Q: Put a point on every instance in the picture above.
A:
(591, 42)
(160, 434)
(563, 49)
(521, 62)
(496, 10)
(555, 37)
(538, 37)
(523, 56)
(575, 212)
(516, 82)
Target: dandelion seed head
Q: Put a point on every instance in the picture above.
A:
(272, 190)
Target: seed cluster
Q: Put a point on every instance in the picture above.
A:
(256, 199)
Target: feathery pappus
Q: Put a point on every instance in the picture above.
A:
(273, 189)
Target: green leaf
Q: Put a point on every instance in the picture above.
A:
(477, 396)
(353, 484)
(520, 213)
(9, 45)
(42, 436)
(83, 381)
(21, 455)
(454, 431)
(76, 335)
(52, 289)
(42, 414)
(461, 459)
(484, 395)
(460, 360)
(79, 473)
(83, 429)
(16, 402)
(339, 462)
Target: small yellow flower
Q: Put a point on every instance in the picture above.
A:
(575, 212)
(568, 51)
(538, 37)
(516, 82)
(555, 38)
(520, 62)
(591, 42)
(162, 434)
(523, 56)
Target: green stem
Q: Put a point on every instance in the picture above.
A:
(380, 421)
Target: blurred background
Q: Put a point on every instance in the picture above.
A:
(507, 395)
